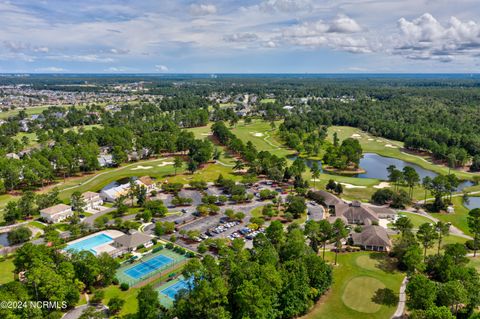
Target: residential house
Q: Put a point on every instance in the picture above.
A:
(148, 182)
(92, 200)
(111, 194)
(105, 160)
(57, 213)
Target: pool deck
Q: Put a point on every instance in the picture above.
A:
(103, 247)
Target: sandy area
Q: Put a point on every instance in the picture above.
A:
(352, 186)
(141, 167)
(206, 134)
(258, 134)
(390, 145)
(165, 164)
(370, 139)
(356, 136)
(382, 185)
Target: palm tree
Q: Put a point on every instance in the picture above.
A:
(443, 229)
(426, 183)
(325, 234)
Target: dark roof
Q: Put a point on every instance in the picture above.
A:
(356, 212)
(133, 240)
(329, 198)
(372, 236)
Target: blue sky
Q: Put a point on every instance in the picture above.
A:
(254, 36)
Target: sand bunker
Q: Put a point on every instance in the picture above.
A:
(352, 186)
(206, 134)
(390, 145)
(382, 185)
(258, 134)
(141, 167)
(165, 164)
(370, 139)
(356, 136)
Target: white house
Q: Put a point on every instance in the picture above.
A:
(57, 213)
(148, 182)
(92, 200)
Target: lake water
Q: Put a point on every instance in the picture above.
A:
(474, 202)
(4, 240)
(376, 167)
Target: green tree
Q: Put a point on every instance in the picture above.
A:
(473, 220)
(315, 170)
(19, 235)
(443, 230)
(421, 292)
(148, 304)
(177, 163)
(77, 202)
(115, 304)
(427, 235)
(452, 294)
(339, 233)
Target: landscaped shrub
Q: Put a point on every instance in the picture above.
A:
(190, 254)
(124, 286)
(115, 281)
(157, 249)
(97, 297)
(169, 245)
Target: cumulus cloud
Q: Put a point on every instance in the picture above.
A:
(340, 34)
(92, 58)
(161, 68)
(425, 38)
(202, 9)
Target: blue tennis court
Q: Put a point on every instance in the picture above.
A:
(172, 291)
(145, 267)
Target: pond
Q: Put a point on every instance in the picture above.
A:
(376, 167)
(4, 240)
(474, 202)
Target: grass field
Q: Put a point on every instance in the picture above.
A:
(32, 138)
(31, 110)
(458, 218)
(362, 283)
(6, 271)
(261, 134)
(267, 101)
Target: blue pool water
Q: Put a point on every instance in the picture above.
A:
(90, 243)
(146, 267)
(172, 291)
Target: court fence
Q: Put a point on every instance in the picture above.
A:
(177, 261)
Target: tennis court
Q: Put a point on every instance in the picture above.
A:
(146, 267)
(168, 291)
(149, 266)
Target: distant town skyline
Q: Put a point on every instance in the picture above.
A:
(227, 36)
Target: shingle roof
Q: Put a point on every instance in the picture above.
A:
(133, 240)
(372, 236)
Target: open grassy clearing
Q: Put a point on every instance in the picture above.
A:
(390, 148)
(267, 101)
(33, 110)
(263, 137)
(32, 138)
(6, 271)
(475, 262)
(458, 218)
(359, 282)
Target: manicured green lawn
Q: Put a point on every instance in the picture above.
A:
(359, 279)
(475, 262)
(262, 136)
(6, 271)
(130, 297)
(416, 219)
(458, 218)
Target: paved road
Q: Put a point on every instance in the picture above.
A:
(402, 298)
(91, 219)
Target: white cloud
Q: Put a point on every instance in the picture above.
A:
(50, 69)
(241, 37)
(343, 33)
(161, 68)
(425, 38)
(286, 5)
(202, 9)
(344, 24)
(89, 58)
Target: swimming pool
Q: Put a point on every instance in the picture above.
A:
(90, 243)
(146, 267)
